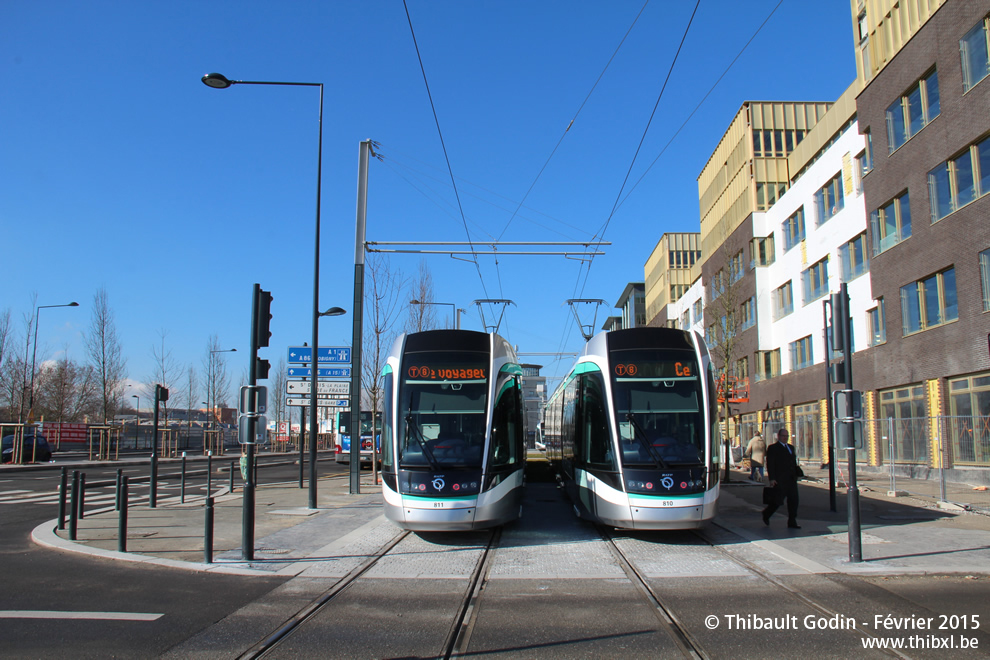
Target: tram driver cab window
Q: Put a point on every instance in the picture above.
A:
(507, 428)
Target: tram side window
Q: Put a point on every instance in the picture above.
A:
(595, 437)
(386, 438)
(507, 425)
(568, 426)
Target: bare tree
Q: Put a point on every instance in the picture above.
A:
(217, 379)
(23, 360)
(4, 334)
(106, 356)
(723, 320)
(383, 305)
(190, 393)
(66, 391)
(276, 393)
(166, 371)
(422, 316)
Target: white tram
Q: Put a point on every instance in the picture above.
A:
(454, 437)
(633, 430)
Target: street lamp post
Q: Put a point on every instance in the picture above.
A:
(217, 81)
(34, 353)
(455, 313)
(137, 419)
(314, 429)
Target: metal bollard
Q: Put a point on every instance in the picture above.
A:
(182, 484)
(116, 500)
(208, 532)
(63, 482)
(153, 496)
(209, 472)
(73, 505)
(82, 495)
(122, 518)
(232, 476)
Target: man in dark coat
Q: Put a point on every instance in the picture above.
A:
(783, 472)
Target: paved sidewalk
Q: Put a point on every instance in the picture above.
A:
(899, 535)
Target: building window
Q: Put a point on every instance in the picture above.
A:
(807, 431)
(969, 407)
(767, 364)
(960, 180)
(762, 250)
(878, 324)
(903, 412)
(853, 258)
(865, 159)
(913, 111)
(783, 301)
(815, 281)
(985, 278)
(929, 302)
(717, 286)
(974, 53)
(747, 314)
(801, 353)
(829, 200)
(793, 229)
(686, 320)
(696, 310)
(736, 267)
(891, 224)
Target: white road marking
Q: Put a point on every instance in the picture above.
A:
(101, 616)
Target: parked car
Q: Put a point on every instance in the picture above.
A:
(33, 448)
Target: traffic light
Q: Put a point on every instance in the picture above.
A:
(264, 317)
(161, 392)
(262, 368)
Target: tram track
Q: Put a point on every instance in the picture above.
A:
(267, 644)
(796, 593)
(684, 640)
(458, 635)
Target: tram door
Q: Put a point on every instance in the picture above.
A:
(594, 441)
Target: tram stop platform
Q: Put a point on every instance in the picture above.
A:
(899, 535)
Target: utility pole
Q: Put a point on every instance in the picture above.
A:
(357, 335)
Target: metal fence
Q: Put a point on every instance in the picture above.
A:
(947, 458)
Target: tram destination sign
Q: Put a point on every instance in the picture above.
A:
(320, 403)
(336, 388)
(323, 372)
(324, 355)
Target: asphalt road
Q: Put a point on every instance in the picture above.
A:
(136, 611)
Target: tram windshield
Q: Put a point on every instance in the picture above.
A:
(658, 396)
(442, 407)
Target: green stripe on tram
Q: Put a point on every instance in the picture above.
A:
(433, 498)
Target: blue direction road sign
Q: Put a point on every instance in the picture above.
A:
(324, 372)
(325, 355)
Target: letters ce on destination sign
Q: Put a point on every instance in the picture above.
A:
(324, 355)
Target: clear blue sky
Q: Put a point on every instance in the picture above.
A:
(120, 169)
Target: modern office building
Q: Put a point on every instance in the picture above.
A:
(671, 269)
(798, 199)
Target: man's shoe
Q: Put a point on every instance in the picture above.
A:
(794, 525)
(766, 519)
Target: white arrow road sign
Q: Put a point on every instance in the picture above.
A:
(322, 387)
(320, 403)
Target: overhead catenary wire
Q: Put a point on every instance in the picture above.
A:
(573, 119)
(618, 197)
(703, 99)
(443, 145)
